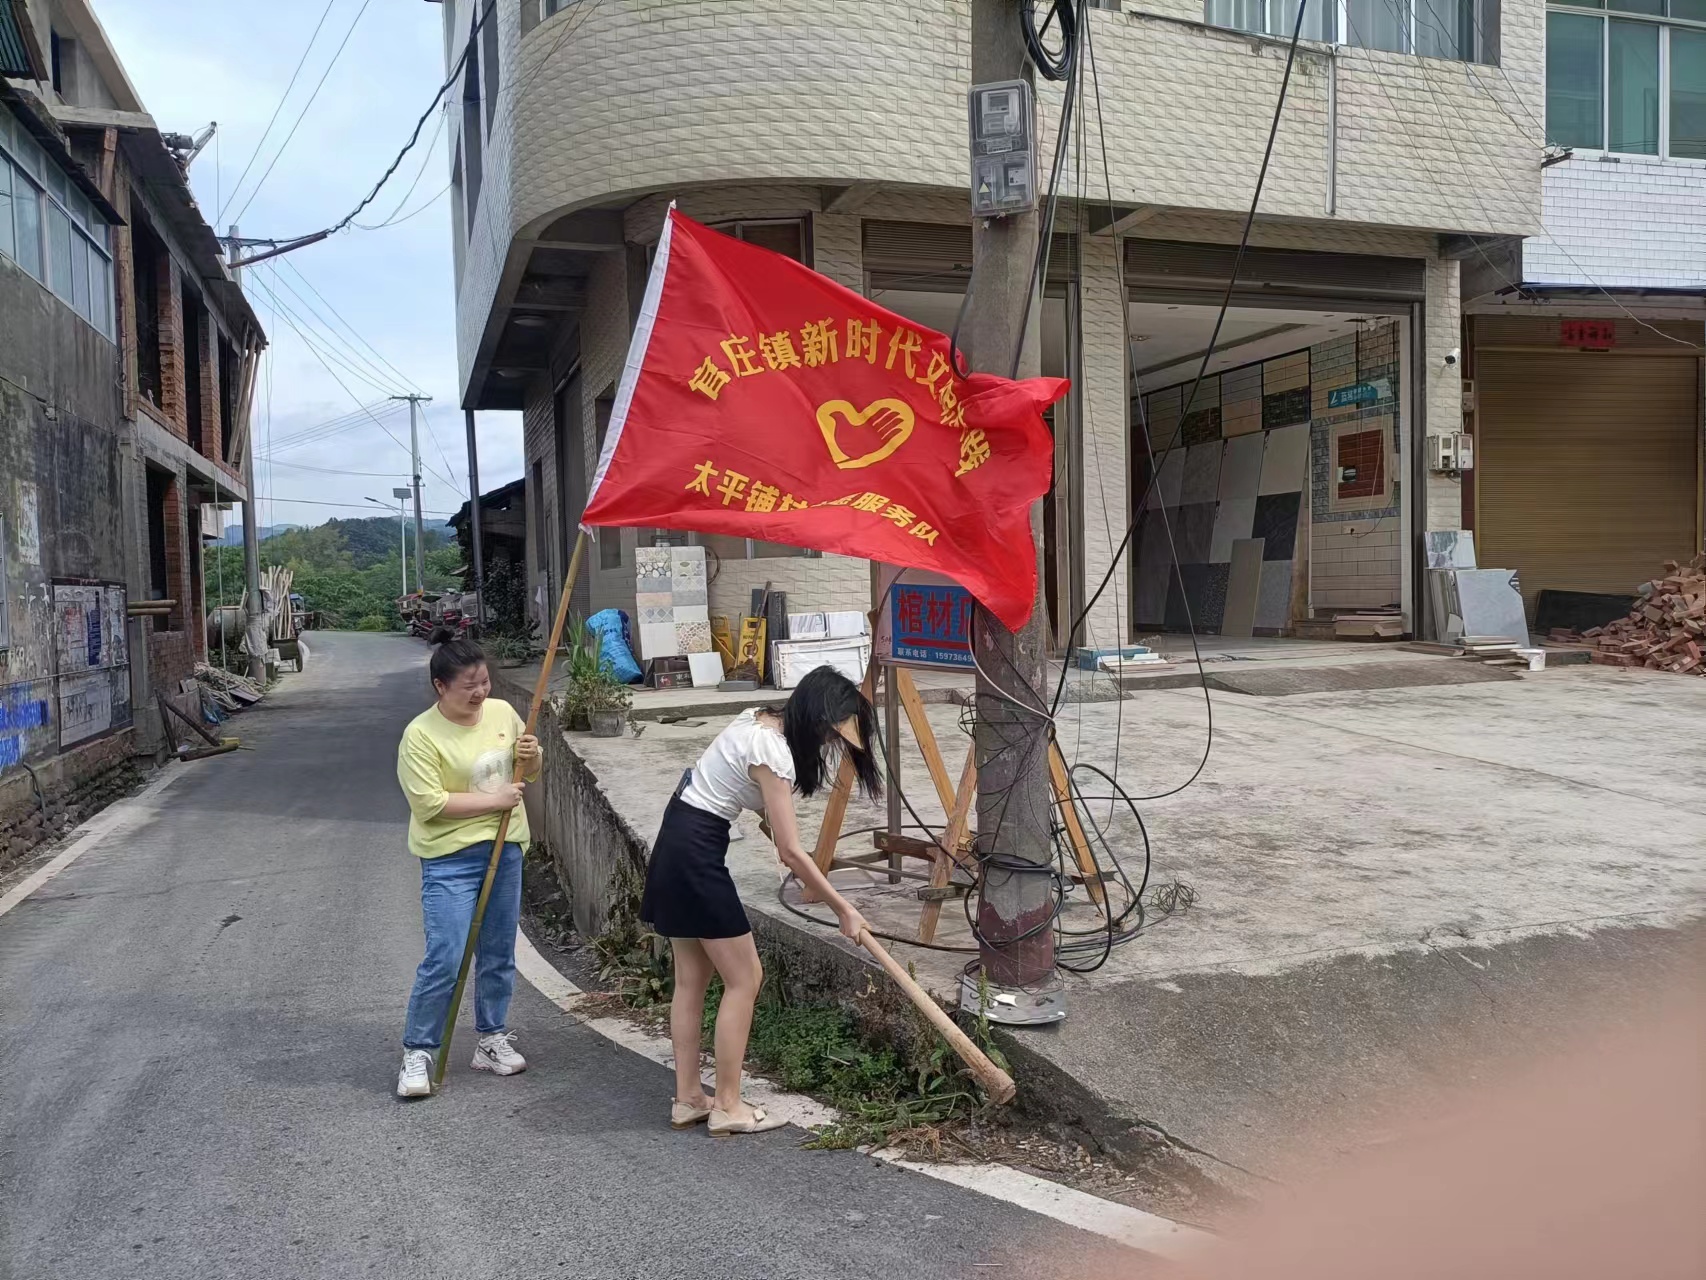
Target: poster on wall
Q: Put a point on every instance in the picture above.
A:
(925, 620)
(92, 659)
(85, 706)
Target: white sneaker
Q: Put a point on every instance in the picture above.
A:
(497, 1054)
(415, 1079)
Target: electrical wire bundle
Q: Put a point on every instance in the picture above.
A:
(1028, 722)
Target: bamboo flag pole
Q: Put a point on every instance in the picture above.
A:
(503, 822)
(996, 1082)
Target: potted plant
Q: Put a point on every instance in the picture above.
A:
(509, 650)
(593, 698)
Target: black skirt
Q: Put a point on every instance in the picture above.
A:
(689, 892)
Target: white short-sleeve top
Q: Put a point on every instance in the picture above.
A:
(722, 780)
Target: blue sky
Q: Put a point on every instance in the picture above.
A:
(231, 61)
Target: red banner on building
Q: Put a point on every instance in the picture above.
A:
(762, 400)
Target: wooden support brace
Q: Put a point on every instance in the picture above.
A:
(835, 812)
(959, 814)
(1074, 828)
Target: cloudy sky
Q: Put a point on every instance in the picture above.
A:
(367, 314)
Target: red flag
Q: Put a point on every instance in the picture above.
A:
(762, 400)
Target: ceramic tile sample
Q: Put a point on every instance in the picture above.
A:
(690, 613)
(1240, 417)
(1450, 548)
(1233, 520)
(1178, 617)
(1170, 481)
(1205, 592)
(1243, 586)
(657, 640)
(1285, 461)
(1241, 467)
(1490, 602)
(1201, 481)
(1200, 426)
(1276, 523)
(652, 562)
(1193, 530)
(693, 637)
(1273, 596)
(652, 615)
(1150, 605)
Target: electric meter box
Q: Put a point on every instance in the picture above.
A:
(1003, 149)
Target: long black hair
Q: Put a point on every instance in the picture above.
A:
(451, 657)
(818, 704)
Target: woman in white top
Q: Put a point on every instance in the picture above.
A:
(757, 763)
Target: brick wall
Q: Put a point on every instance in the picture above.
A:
(171, 347)
(178, 585)
(171, 660)
(208, 360)
(1626, 224)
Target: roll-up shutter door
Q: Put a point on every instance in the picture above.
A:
(1585, 466)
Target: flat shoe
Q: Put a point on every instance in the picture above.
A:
(722, 1127)
(683, 1116)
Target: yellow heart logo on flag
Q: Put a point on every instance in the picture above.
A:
(862, 437)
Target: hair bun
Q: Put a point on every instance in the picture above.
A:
(441, 635)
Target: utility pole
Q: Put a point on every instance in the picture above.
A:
(474, 520)
(1015, 802)
(415, 470)
(255, 633)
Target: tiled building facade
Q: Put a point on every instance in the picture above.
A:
(846, 121)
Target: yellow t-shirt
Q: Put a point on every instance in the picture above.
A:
(438, 756)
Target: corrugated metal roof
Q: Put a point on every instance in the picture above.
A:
(14, 54)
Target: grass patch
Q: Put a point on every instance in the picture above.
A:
(891, 1089)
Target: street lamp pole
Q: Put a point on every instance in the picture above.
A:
(402, 496)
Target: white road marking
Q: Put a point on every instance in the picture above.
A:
(114, 818)
(1144, 1232)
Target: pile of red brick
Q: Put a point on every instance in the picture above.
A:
(1666, 631)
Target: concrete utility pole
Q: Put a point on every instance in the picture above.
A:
(1015, 805)
(415, 470)
(474, 520)
(255, 633)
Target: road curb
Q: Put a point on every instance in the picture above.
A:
(115, 817)
(1132, 1228)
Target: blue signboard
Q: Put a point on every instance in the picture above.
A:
(1359, 393)
(931, 624)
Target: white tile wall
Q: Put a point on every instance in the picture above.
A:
(1627, 223)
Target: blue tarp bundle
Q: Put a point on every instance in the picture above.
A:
(615, 649)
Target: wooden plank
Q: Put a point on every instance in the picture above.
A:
(906, 846)
(921, 730)
(959, 814)
(835, 812)
(1074, 828)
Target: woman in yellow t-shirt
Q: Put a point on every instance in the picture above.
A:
(455, 764)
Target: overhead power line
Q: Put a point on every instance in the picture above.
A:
(283, 98)
(283, 146)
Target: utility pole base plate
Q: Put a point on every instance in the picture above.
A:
(1014, 1006)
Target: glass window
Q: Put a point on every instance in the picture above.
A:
(100, 293)
(58, 185)
(1318, 19)
(1688, 93)
(8, 245)
(1445, 29)
(1654, 7)
(80, 276)
(1378, 24)
(1692, 10)
(26, 218)
(1240, 15)
(1633, 125)
(1582, 4)
(58, 251)
(1574, 74)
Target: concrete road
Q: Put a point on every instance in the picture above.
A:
(199, 1027)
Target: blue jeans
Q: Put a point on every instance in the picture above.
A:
(449, 887)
